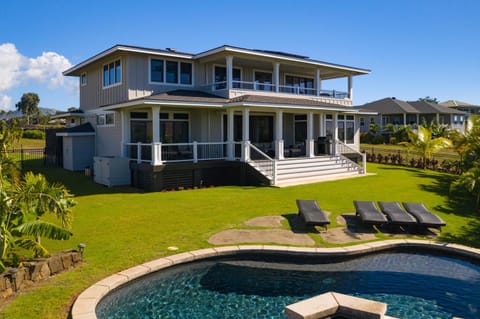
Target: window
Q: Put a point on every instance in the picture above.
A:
(299, 85)
(174, 127)
(112, 73)
(172, 72)
(300, 128)
(263, 81)
(221, 77)
(83, 79)
(346, 128)
(106, 119)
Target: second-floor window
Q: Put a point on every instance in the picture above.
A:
(299, 85)
(221, 77)
(112, 73)
(263, 81)
(172, 72)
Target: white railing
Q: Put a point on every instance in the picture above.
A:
(159, 153)
(262, 162)
(342, 148)
(269, 87)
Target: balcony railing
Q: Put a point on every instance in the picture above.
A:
(269, 87)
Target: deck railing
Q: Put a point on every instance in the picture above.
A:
(342, 148)
(269, 87)
(262, 162)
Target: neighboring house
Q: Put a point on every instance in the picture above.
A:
(71, 119)
(398, 112)
(228, 115)
(461, 106)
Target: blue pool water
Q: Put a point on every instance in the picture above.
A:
(415, 286)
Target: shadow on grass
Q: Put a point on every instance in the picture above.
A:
(467, 235)
(76, 182)
(298, 226)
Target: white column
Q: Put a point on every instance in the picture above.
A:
(246, 134)
(229, 62)
(318, 82)
(404, 119)
(156, 148)
(321, 124)
(125, 116)
(418, 119)
(276, 75)
(335, 134)
(279, 144)
(350, 88)
(309, 142)
(230, 130)
(438, 118)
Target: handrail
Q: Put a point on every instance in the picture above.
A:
(266, 165)
(339, 151)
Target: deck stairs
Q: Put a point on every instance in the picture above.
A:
(304, 170)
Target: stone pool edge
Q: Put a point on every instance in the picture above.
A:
(86, 303)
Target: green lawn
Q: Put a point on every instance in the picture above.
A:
(122, 227)
(29, 143)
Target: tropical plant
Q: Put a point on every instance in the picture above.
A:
(467, 145)
(422, 142)
(470, 181)
(22, 204)
(28, 105)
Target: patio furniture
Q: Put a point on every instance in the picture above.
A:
(311, 213)
(423, 215)
(369, 213)
(396, 214)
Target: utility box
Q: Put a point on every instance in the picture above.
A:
(111, 171)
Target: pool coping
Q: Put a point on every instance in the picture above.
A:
(86, 303)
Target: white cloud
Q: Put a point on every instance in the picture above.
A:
(46, 69)
(5, 102)
(10, 66)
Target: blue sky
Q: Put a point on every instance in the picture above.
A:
(414, 48)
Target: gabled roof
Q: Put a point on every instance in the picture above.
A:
(85, 129)
(389, 105)
(73, 71)
(456, 103)
(431, 108)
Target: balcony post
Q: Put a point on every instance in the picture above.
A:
(276, 75)
(230, 145)
(125, 116)
(350, 87)
(229, 63)
(246, 135)
(335, 133)
(139, 153)
(279, 144)
(195, 152)
(318, 82)
(156, 154)
(309, 142)
(155, 124)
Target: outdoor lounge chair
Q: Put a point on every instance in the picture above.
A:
(369, 213)
(396, 214)
(311, 213)
(423, 215)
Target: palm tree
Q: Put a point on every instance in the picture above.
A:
(421, 141)
(467, 145)
(470, 180)
(21, 207)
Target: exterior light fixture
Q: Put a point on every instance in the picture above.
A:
(81, 248)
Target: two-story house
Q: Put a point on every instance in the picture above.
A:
(228, 115)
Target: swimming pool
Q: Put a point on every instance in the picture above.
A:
(413, 284)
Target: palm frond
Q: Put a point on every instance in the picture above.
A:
(41, 228)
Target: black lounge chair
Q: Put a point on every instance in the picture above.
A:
(311, 213)
(396, 214)
(423, 215)
(369, 213)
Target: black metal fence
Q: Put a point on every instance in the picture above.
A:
(26, 156)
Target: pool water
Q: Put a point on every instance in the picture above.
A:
(414, 285)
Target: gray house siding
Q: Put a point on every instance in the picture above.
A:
(94, 95)
(108, 141)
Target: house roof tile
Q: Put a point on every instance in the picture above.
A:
(390, 106)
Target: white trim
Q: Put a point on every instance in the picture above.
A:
(75, 134)
(69, 114)
(104, 114)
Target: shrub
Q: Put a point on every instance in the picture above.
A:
(34, 134)
(378, 139)
(393, 140)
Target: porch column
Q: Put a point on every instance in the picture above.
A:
(418, 119)
(309, 147)
(321, 124)
(279, 144)
(404, 119)
(350, 88)
(318, 82)
(156, 146)
(438, 118)
(276, 75)
(125, 118)
(246, 134)
(335, 133)
(230, 145)
(229, 63)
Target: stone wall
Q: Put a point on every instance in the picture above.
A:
(14, 280)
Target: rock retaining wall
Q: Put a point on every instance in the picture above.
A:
(14, 280)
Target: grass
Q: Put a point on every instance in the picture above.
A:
(123, 227)
(29, 143)
(385, 149)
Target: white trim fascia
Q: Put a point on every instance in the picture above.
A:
(63, 115)
(125, 49)
(291, 106)
(154, 102)
(280, 57)
(75, 134)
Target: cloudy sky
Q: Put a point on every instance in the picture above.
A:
(414, 48)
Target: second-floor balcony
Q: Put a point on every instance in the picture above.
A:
(265, 87)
